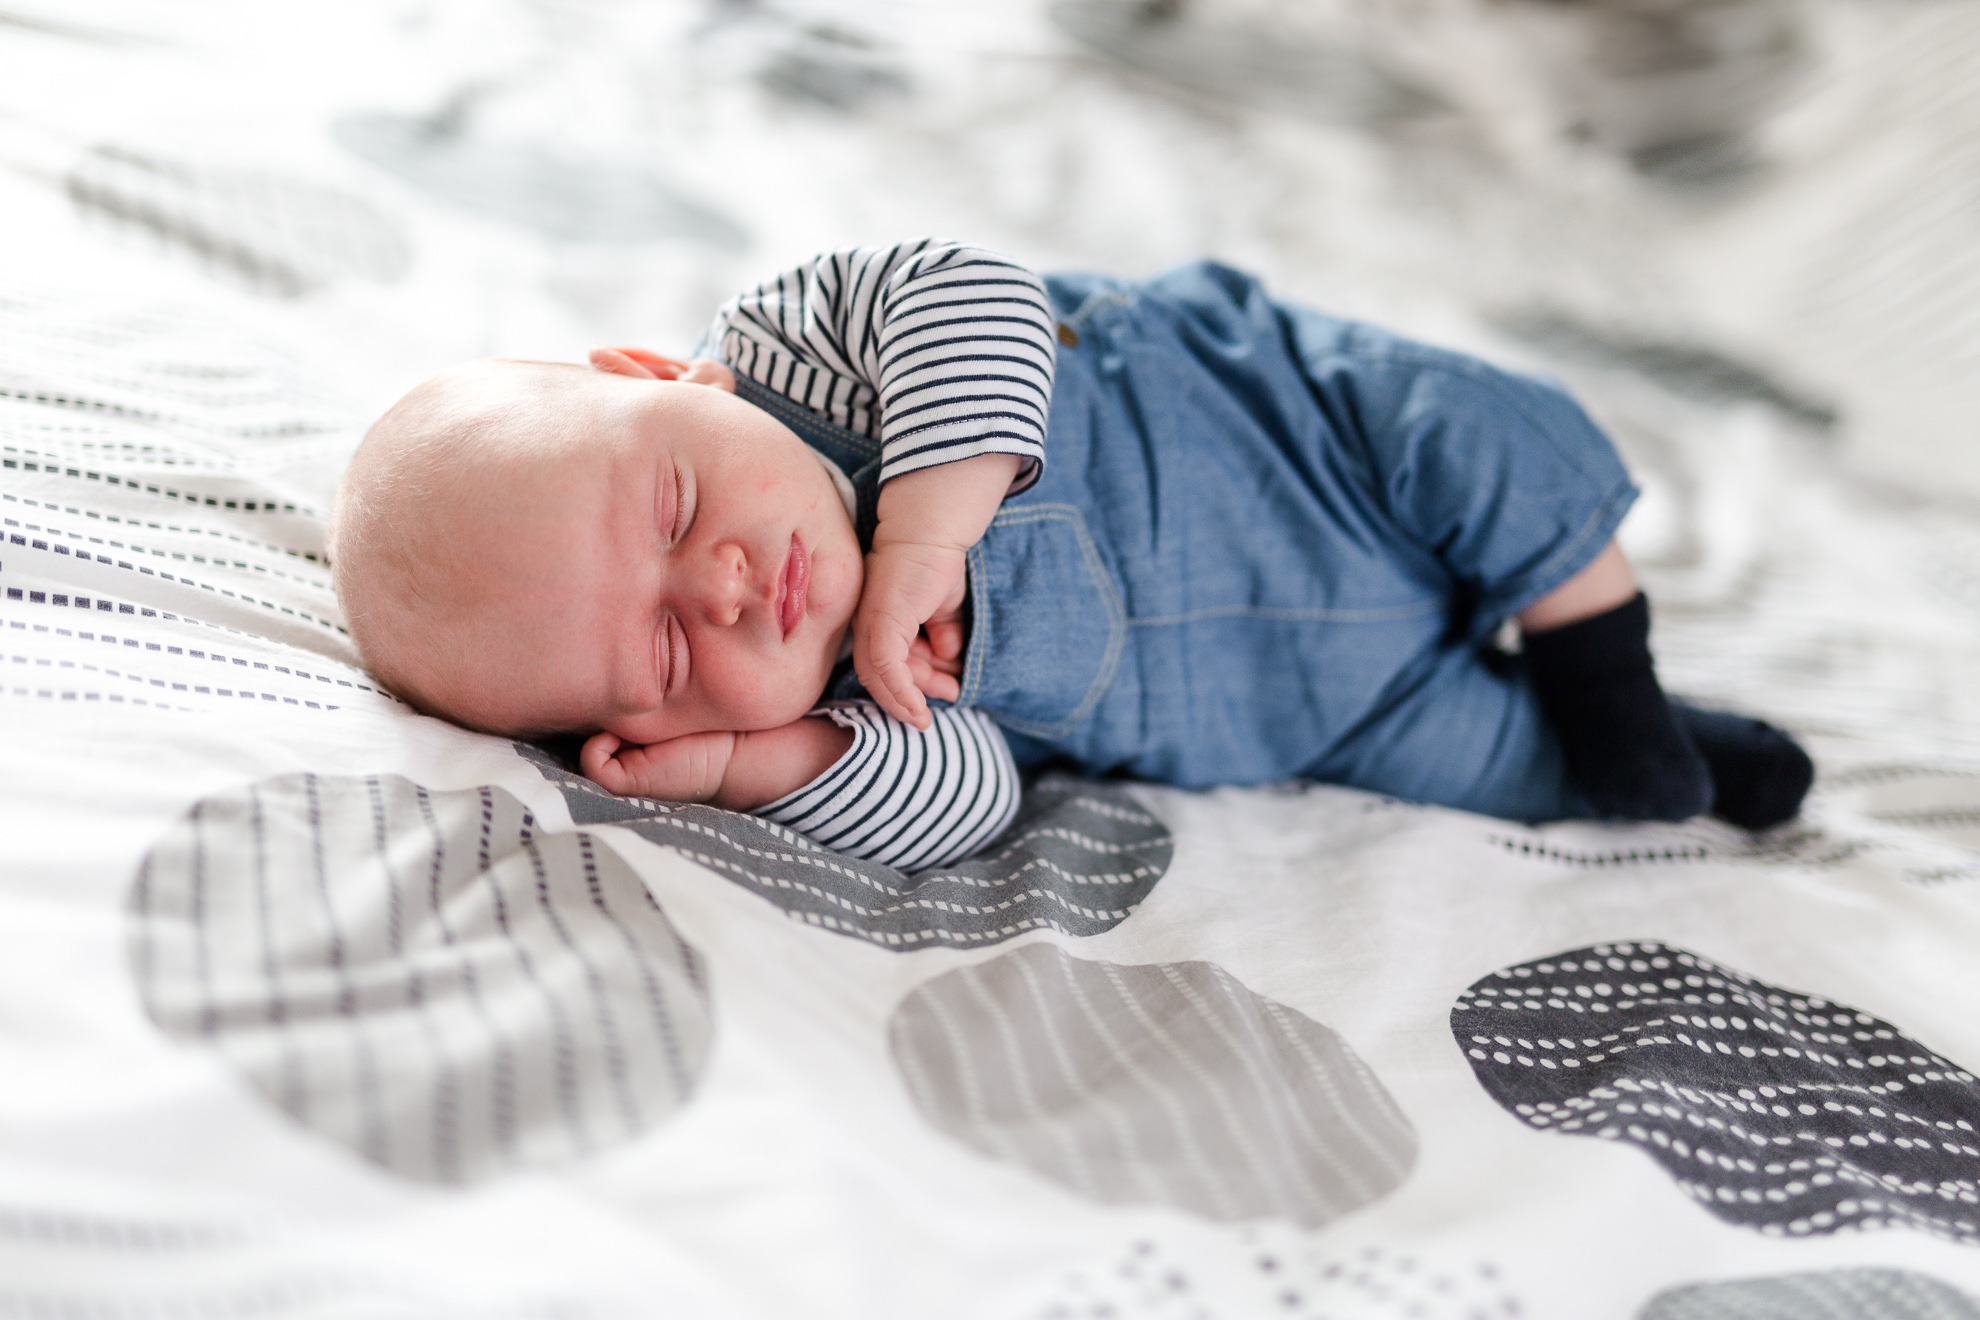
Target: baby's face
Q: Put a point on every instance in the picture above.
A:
(681, 563)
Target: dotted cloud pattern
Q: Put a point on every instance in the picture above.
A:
(1774, 1109)
(1267, 1269)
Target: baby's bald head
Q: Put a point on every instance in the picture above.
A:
(442, 469)
(532, 548)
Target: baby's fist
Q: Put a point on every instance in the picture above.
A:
(684, 769)
(909, 585)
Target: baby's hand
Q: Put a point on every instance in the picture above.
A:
(915, 578)
(910, 585)
(684, 769)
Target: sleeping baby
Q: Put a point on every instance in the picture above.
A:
(913, 520)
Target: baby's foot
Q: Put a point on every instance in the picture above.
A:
(1760, 773)
(1631, 757)
(1626, 749)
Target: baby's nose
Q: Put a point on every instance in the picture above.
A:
(726, 584)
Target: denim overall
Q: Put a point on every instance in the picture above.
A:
(1270, 543)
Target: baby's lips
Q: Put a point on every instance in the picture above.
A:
(795, 584)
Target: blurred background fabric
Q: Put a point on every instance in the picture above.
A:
(1746, 232)
(1764, 201)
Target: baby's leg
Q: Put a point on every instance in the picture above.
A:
(1606, 583)
(1628, 748)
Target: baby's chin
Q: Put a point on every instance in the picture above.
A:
(792, 700)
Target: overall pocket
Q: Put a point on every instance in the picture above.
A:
(1048, 625)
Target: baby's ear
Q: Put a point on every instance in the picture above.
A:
(643, 364)
(639, 363)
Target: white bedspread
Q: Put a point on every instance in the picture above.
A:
(310, 1006)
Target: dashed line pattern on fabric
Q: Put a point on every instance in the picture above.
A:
(1771, 1108)
(1077, 858)
(80, 1259)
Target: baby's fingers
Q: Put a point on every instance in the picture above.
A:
(934, 682)
(945, 637)
(922, 656)
(893, 686)
(600, 763)
(880, 658)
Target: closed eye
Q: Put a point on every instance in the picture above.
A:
(670, 645)
(684, 511)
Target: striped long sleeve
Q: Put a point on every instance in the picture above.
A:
(906, 798)
(938, 350)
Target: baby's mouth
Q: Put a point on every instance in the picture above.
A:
(790, 598)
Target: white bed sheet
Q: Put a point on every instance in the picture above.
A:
(207, 1154)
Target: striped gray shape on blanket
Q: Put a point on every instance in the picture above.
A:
(1164, 1083)
(1078, 857)
(423, 976)
(1829, 1295)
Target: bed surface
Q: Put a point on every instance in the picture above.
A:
(313, 1007)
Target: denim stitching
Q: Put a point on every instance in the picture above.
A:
(1288, 615)
(1116, 628)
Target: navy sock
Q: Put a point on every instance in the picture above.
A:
(1760, 773)
(1626, 749)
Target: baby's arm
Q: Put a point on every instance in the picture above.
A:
(915, 576)
(735, 771)
(856, 780)
(943, 354)
(904, 797)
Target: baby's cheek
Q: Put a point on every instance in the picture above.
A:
(751, 693)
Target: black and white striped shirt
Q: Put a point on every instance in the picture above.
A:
(939, 351)
(903, 797)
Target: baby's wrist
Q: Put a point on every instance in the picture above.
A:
(703, 765)
(946, 506)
